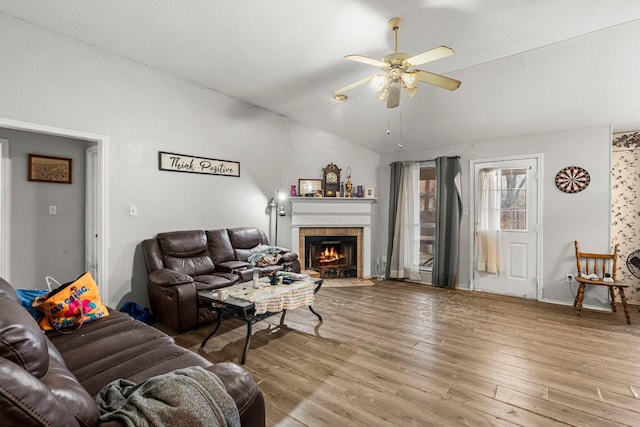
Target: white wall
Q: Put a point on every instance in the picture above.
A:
(584, 216)
(54, 244)
(51, 80)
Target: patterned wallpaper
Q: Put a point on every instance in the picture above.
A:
(625, 208)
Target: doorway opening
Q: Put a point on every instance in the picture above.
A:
(96, 212)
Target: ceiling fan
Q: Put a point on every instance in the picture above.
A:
(397, 73)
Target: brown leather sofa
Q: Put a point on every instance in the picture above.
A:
(181, 263)
(52, 380)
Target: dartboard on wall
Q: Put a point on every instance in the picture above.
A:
(572, 179)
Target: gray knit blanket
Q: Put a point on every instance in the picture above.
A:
(265, 255)
(189, 397)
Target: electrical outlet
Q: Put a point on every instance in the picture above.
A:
(569, 277)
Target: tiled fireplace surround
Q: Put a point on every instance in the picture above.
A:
(333, 217)
(332, 231)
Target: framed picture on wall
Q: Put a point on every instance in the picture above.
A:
(49, 169)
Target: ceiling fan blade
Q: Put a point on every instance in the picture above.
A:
(341, 91)
(368, 61)
(393, 99)
(438, 80)
(430, 55)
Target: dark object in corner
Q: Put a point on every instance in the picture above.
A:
(138, 313)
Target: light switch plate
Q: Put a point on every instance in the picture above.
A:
(53, 209)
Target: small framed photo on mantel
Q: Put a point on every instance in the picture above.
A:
(310, 187)
(369, 193)
(49, 169)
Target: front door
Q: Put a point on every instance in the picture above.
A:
(515, 192)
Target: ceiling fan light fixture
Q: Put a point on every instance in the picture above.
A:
(395, 73)
(379, 82)
(409, 79)
(340, 97)
(383, 94)
(411, 91)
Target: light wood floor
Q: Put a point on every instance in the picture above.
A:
(398, 354)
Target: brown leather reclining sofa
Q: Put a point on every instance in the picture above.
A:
(181, 263)
(52, 379)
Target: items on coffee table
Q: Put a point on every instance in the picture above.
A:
(253, 302)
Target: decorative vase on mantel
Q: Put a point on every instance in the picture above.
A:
(292, 192)
(349, 184)
(360, 191)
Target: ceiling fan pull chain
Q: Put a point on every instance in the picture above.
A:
(400, 139)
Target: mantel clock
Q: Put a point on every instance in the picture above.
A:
(331, 180)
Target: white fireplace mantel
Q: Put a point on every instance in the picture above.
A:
(334, 212)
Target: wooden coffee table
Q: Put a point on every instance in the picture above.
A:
(234, 307)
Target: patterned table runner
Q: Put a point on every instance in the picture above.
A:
(274, 299)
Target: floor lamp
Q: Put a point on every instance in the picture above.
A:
(275, 203)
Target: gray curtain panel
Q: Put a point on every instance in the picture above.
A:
(448, 215)
(394, 190)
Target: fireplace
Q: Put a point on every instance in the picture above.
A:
(346, 256)
(332, 256)
(331, 217)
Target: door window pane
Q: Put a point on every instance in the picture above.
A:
(513, 200)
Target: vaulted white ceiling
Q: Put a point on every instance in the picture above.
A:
(287, 55)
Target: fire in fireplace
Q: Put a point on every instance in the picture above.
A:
(332, 256)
